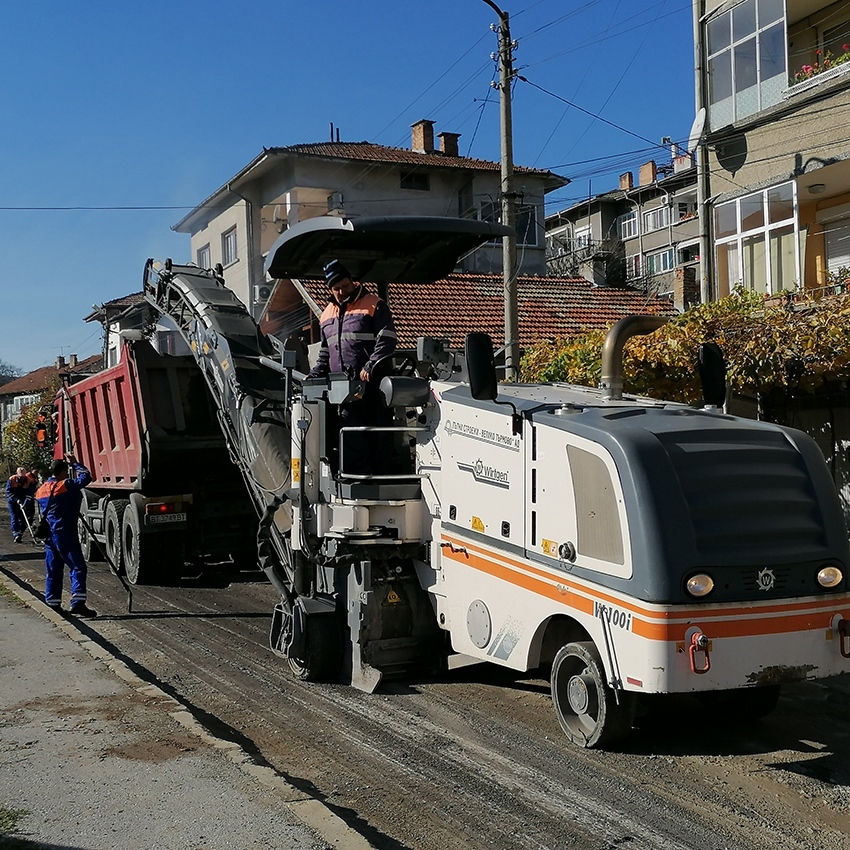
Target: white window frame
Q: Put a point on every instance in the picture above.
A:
(582, 237)
(768, 91)
(202, 257)
(659, 262)
(736, 240)
(656, 219)
(229, 247)
(634, 267)
(627, 225)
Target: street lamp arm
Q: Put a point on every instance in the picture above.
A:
(495, 8)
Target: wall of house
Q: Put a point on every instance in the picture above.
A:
(814, 135)
(236, 274)
(374, 189)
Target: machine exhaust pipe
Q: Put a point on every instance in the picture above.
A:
(612, 352)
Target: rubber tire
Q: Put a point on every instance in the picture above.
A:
(741, 705)
(92, 549)
(324, 650)
(113, 519)
(135, 551)
(150, 557)
(606, 721)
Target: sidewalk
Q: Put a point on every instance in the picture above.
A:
(92, 757)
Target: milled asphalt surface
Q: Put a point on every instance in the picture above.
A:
(94, 757)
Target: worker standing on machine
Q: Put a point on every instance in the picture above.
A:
(357, 332)
(20, 496)
(59, 500)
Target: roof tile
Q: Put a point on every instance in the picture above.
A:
(549, 307)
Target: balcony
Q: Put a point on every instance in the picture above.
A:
(818, 44)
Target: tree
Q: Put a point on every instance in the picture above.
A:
(8, 372)
(789, 342)
(20, 446)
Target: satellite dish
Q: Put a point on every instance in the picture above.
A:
(697, 129)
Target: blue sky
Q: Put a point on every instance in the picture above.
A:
(129, 114)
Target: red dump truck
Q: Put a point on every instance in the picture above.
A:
(165, 490)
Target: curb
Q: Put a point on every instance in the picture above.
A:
(309, 811)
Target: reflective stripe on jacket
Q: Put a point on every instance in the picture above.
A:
(19, 487)
(355, 335)
(60, 501)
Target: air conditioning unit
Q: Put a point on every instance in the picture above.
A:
(262, 293)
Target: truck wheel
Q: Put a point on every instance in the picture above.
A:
(587, 708)
(89, 546)
(112, 521)
(323, 651)
(134, 549)
(149, 557)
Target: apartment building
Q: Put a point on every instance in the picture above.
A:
(644, 235)
(239, 222)
(773, 85)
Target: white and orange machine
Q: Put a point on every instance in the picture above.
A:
(623, 545)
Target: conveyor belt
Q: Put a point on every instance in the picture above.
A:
(251, 399)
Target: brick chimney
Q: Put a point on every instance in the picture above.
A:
(648, 173)
(60, 362)
(72, 361)
(448, 143)
(627, 181)
(422, 136)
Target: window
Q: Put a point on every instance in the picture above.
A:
(228, 247)
(633, 267)
(526, 225)
(627, 225)
(466, 201)
(746, 60)
(203, 257)
(835, 38)
(660, 262)
(685, 210)
(758, 241)
(688, 254)
(526, 220)
(416, 180)
(581, 237)
(656, 219)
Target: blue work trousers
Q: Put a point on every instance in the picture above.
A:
(61, 550)
(16, 516)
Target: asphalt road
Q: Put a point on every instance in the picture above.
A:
(475, 759)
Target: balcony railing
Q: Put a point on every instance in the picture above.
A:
(816, 80)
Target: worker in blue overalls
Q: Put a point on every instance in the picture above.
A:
(20, 493)
(59, 500)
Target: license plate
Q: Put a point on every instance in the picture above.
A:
(156, 519)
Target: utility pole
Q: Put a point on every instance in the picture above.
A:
(509, 263)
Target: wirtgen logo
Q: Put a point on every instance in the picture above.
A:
(486, 474)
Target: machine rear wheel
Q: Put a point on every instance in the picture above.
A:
(112, 522)
(587, 709)
(322, 659)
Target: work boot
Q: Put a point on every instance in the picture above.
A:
(80, 609)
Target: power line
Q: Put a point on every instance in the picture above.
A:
(591, 114)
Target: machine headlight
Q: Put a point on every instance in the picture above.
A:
(700, 585)
(830, 576)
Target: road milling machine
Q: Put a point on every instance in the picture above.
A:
(622, 545)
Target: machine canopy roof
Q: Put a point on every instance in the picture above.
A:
(403, 249)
